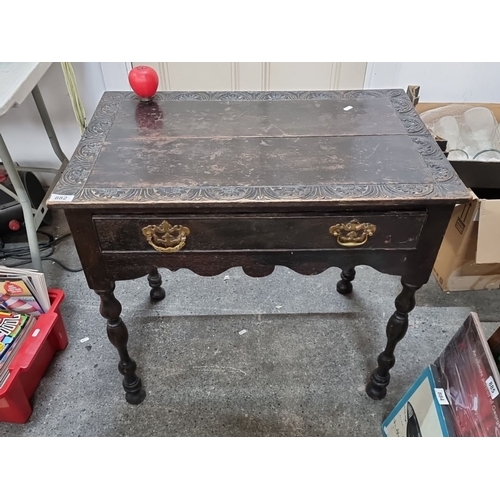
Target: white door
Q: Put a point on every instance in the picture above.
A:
(259, 75)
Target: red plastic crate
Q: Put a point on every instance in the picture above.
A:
(47, 336)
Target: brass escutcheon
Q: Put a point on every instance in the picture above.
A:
(354, 233)
(165, 237)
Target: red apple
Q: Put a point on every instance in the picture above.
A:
(144, 81)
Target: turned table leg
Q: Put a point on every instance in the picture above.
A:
(118, 335)
(154, 280)
(396, 330)
(344, 286)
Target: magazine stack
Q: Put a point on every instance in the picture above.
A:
(23, 297)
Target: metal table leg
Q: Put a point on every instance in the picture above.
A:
(39, 214)
(44, 115)
(25, 202)
(32, 218)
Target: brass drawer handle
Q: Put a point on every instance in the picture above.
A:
(165, 237)
(354, 233)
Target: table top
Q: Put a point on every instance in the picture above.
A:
(17, 80)
(249, 148)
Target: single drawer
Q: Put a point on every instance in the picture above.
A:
(171, 233)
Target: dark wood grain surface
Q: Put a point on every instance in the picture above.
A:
(183, 149)
(265, 232)
(298, 161)
(300, 118)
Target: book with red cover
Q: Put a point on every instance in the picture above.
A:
(471, 381)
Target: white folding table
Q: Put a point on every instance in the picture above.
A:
(17, 80)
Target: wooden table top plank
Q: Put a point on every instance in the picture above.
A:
(299, 118)
(308, 161)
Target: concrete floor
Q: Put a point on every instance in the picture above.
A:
(298, 370)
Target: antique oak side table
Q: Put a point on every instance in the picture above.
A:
(212, 180)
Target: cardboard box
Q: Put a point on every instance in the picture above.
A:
(469, 257)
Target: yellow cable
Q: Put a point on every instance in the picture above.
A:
(70, 79)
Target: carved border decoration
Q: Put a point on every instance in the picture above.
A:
(72, 182)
